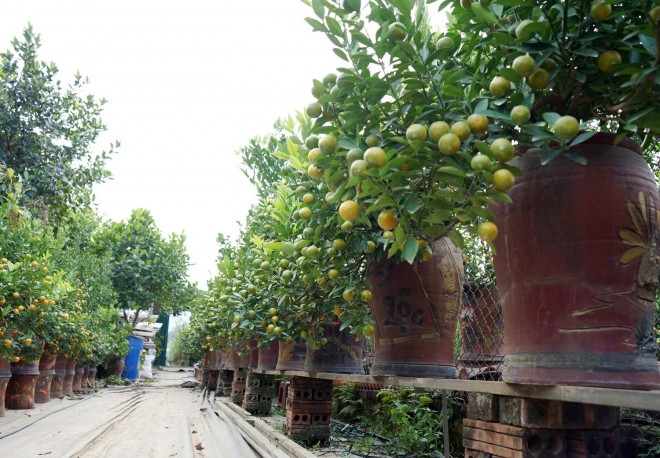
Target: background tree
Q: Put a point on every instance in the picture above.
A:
(147, 269)
(47, 130)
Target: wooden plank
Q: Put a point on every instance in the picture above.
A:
(634, 399)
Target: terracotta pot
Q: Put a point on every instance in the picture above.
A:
(77, 378)
(236, 361)
(57, 383)
(291, 356)
(44, 382)
(5, 375)
(577, 269)
(91, 376)
(341, 354)
(69, 375)
(253, 361)
(482, 327)
(416, 308)
(20, 389)
(268, 356)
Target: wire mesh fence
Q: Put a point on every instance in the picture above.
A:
(480, 337)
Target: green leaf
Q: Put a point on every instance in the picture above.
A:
(452, 171)
(319, 10)
(551, 117)
(334, 26)
(410, 249)
(482, 13)
(316, 25)
(405, 6)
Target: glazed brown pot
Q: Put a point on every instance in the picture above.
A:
(5, 375)
(341, 354)
(236, 361)
(70, 374)
(577, 269)
(291, 356)
(44, 382)
(22, 384)
(268, 356)
(57, 383)
(115, 367)
(416, 308)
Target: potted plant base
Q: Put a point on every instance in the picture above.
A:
(44, 382)
(268, 356)
(5, 375)
(291, 356)
(57, 382)
(416, 308)
(577, 269)
(341, 354)
(22, 384)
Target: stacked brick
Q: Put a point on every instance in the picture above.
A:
(507, 427)
(224, 385)
(259, 393)
(308, 409)
(238, 386)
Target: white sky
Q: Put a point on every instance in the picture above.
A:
(187, 84)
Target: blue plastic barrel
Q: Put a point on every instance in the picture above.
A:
(130, 371)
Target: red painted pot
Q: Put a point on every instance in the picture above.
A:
(341, 354)
(5, 375)
(57, 383)
(577, 269)
(268, 356)
(44, 382)
(291, 356)
(22, 384)
(69, 375)
(416, 308)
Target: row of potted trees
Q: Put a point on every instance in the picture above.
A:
(524, 124)
(45, 311)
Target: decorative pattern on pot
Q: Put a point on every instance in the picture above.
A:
(577, 268)
(291, 356)
(341, 354)
(57, 383)
(416, 309)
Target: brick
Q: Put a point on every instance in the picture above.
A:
(484, 407)
(594, 443)
(538, 413)
(509, 441)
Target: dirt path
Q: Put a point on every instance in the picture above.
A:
(158, 419)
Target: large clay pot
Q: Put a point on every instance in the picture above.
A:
(67, 387)
(341, 354)
(416, 308)
(21, 386)
(577, 269)
(268, 356)
(291, 356)
(79, 371)
(44, 382)
(57, 383)
(238, 359)
(5, 375)
(91, 376)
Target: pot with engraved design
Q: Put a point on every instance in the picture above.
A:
(416, 309)
(577, 267)
(342, 352)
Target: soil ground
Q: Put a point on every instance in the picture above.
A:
(156, 419)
